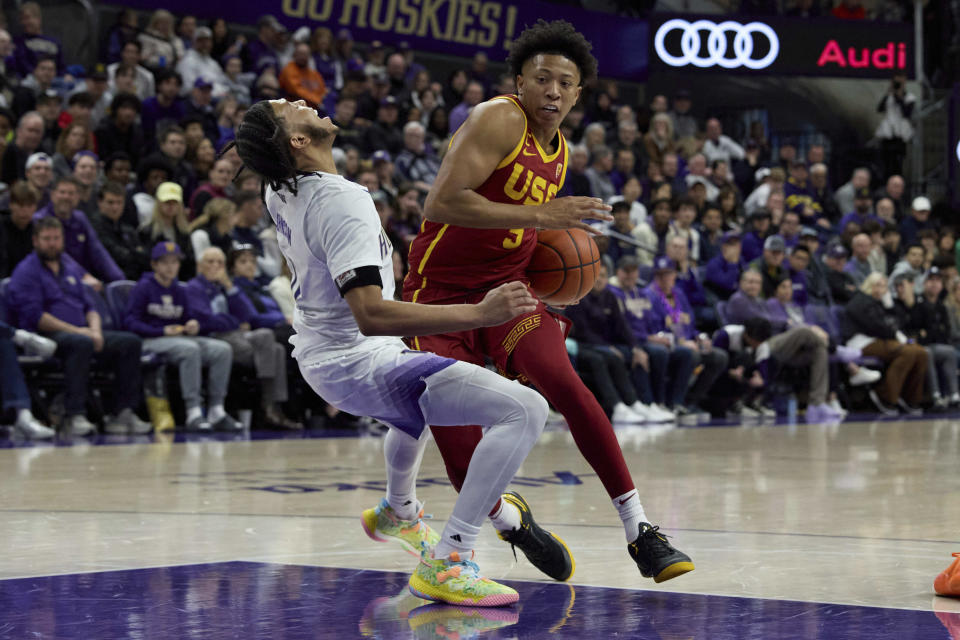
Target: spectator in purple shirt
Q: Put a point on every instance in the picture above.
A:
(678, 250)
(165, 108)
(862, 209)
(472, 96)
(671, 313)
(723, 271)
(82, 243)
(159, 309)
(757, 230)
(747, 303)
(47, 291)
(31, 43)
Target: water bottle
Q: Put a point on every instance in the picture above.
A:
(162, 61)
(792, 408)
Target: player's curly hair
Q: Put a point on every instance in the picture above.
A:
(262, 142)
(557, 37)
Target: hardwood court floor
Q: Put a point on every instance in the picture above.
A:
(862, 514)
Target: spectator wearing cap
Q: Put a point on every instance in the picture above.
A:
(918, 220)
(718, 146)
(862, 209)
(875, 330)
(757, 229)
(80, 238)
(26, 140)
(652, 234)
(168, 223)
(670, 312)
(859, 264)
(845, 195)
(200, 106)
(417, 163)
(684, 124)
(121, 133)
(386, 132)
(770, 264)
(770, 180)
(198, 63)
(842, 285)
(472, 96)
(159, 309)
(607, 349)
(16, 237)
(39, 176)
(32, 44)
(635, 306)
(165, 108)
(929, 324)
(300, 81)
(724, 269)
(47, 291)
(144, 81)
(119, 239)
(748, 302)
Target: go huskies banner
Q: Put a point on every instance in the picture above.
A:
(455, 27)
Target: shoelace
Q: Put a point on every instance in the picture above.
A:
(656, 542)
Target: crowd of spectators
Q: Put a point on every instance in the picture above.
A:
(111, 175)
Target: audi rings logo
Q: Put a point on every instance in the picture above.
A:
(747, 38)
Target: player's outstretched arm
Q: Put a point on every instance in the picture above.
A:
(485, 139)
(378, 317)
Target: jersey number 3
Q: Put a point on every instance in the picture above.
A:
(514, 241)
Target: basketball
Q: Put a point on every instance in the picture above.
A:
(564, 266)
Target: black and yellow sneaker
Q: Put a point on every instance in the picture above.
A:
(545, 550)
(655, 557)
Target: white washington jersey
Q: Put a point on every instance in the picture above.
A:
(326, 231)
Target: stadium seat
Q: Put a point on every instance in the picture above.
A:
(117, 295)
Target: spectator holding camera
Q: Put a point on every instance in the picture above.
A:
(895, 129)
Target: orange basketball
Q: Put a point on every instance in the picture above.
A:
(564, 266)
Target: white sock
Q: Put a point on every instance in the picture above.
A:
(457, 536)
(631, 513)
(24, 416)
(507, 517)
(406, 507)
(194, 413)
(215, 412)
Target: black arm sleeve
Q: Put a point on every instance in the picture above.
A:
(359, 277)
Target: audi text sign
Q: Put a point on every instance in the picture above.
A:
(780, 46)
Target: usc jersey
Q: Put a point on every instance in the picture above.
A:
(445, 258)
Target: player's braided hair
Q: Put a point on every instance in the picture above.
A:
(557, 38)
(262, 142)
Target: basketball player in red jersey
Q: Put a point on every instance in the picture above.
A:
(496, 186)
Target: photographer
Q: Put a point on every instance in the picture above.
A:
(895, 130)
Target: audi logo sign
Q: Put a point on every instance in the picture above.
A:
(718, 51)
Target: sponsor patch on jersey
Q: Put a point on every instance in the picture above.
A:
(345, 277)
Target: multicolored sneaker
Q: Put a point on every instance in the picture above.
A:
(457, 581)
(948, 582)
(545, 550)
(382, 524)
(655, 557)
(455, 621)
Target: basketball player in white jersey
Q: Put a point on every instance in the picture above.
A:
(342, 267)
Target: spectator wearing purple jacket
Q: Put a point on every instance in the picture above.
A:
(606, 347)
(757, 230)
(723, 270)
(80, 238)
(671, 313)
(862, 210)
(31, 43)
(747, 303)
(159, 309)
(47, 292)
(213, 291)
(678, 250)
